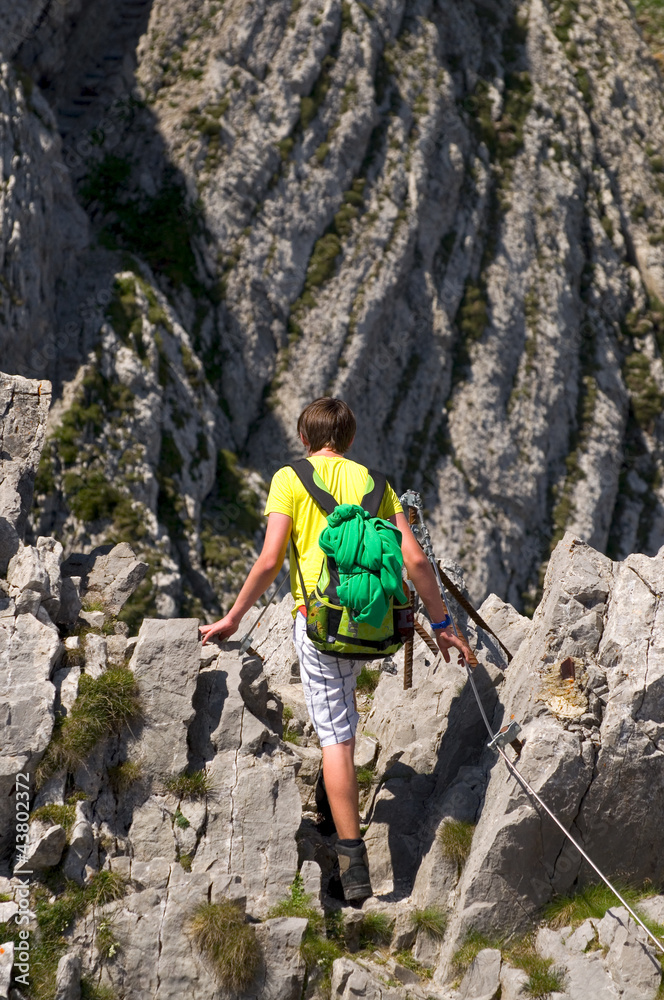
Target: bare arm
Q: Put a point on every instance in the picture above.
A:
(261, 575)
(422, 575)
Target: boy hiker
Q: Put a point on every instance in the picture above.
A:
(327, 428)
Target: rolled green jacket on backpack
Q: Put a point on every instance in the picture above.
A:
(367, 552)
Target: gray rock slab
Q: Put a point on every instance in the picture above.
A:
(82, 849)
(46, 845)
(517, 861)
(68, 978)
(50, 552)
(65, 680)
(24, 406)
(28, 650)
(114, 576)
(513, 983)
(251, 776)
(621, 832)
(70, 600)
(653, 908)
(7, 911)
(96, 656)
(482, 980)
(166, 664)
(510, 627)
(281, 976)
(273, 639)
(311, 879)
(350, 980)
(586, 975)
(151, 834)
(631, 963)
(28, 580)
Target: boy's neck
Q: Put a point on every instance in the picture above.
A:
(325, 453)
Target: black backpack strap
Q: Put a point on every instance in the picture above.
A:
(371, 501)
(299, 572)
(304, 471)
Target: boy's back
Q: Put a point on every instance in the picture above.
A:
(347, 482)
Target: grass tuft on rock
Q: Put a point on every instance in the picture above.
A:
(104, 887)
(473, 944)
(60, 815)
(318, 950)
(96, 991)
(431, 921)
(591, 901)
(375, 928)
(365, 777)
(455, 839)
(298, 904)
(106, 941)
(124, 775)
(105, 705)
(406, 959)
(543, 977)
(189, 785)
(367, 680)
(223, 935)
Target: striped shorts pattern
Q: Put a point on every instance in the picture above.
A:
(329, 687)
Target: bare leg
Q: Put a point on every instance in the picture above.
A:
(341, 788)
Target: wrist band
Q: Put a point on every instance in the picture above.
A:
(446, 622)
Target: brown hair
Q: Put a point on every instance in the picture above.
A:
(327, 423)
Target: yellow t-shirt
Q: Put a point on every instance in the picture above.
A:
(346, 481)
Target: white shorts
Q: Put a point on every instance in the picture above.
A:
(329, 688)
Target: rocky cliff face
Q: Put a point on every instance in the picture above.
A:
(449, 216)
(171, 787)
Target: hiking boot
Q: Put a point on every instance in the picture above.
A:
(354, 870)
(325, 822)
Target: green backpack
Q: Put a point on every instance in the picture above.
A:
(331, 626)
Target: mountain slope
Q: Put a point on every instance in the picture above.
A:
(451, 216)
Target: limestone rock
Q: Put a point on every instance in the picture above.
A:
(114, 576)
(46, 845)
(581, 619)
(250, 774)
(29, 647)
(632, 965)
(70, 600)
(425, 735)
(28, 580)
(65, 680)
(166, 664)
(24, 405)
(95, 619)
(43, 227)
(8, 911)
(653, 908)
(95, 654)
(483, 977)
(350, 980)
(151, 835)
(311, 881)
(585, 975)
(513, 983)
(50, 552)
(282, 974)
(68, 979)
(82, 851)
